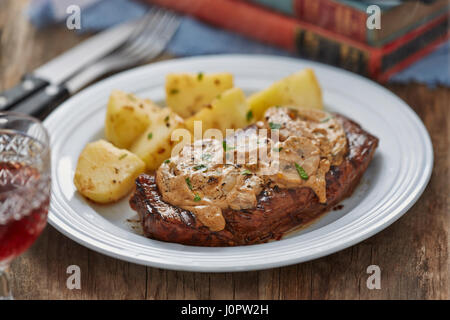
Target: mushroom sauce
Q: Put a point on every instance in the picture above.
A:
(210, 175)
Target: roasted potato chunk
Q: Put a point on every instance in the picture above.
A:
(188, 93)
(127, 117)
(106, 173)
(155, 144)
(228, 111)
(299, 89)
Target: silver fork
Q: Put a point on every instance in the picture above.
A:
(147, 42)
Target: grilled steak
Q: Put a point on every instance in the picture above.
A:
(277, 210)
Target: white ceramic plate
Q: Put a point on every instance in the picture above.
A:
(394, 180)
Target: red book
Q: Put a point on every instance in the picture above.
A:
(312, 42)
(333, 16)
(349, 18)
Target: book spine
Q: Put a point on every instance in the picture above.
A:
(308, 40)
(311, 45)
(305, 39)
(387, 74)
(379, 42)
(240, 17)
(283, 6)
(333, 16)
(403, 52)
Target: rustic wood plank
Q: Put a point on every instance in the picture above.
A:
(412, 253)
(245, 285)
(109, 278)
(269, 284)
(221, 286)
(29, 272)
(157, 288)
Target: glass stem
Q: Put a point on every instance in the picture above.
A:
(5, 289)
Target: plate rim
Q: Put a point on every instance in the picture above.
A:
(93, 243)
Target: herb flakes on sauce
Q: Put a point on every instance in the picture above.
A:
(301, 172)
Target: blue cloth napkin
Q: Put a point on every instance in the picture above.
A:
(196, 38)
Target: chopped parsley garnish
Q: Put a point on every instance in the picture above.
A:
(166, 118)
(277, 149)
(200, 167)
(150, 135)
(200, 76)
(226, 147)
(188, 182)
(249, 116)
(167, 161)
(325, 120)
(123, 156)
(301, 172)
(174, 91)
(246, 172)
(197, 198)
(274, 126)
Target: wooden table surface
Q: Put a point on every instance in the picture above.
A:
(413, 253)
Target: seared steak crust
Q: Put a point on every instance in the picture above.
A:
(278, 210)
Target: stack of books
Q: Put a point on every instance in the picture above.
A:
(333, 31)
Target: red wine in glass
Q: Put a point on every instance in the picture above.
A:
(17, 231)
(24, 188)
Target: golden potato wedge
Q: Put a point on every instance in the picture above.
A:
(106, 173)
(227, 111)
(127, 117)
(299, 89)
(155, 144)
(187, 93)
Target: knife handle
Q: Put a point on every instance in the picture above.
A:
(42, 102)
(29, 85)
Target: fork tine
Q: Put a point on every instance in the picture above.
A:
(168, 33)
(157, 40)
(154, 38)
(153, 21)
(147, 43)
(142, 24)
(164, 38)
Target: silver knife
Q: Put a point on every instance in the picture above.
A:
(65, 65)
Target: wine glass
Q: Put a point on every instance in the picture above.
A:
(24, 187)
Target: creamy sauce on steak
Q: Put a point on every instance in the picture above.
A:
(209, 175)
